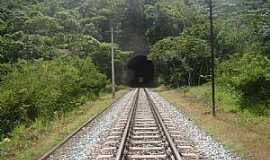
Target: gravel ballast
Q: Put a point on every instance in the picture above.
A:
(203, 142)
(85, 144)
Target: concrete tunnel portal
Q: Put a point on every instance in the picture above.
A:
(140, 72)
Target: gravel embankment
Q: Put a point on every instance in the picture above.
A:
(203, 142)
(84, 145)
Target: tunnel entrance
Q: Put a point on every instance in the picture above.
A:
(140, 72)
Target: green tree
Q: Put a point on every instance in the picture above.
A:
(185, 58)
(165, 19)
(44, 25)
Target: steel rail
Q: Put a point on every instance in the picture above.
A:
(121, 149)
(59, 145)
(172, 145)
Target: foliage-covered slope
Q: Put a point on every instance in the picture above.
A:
(54, 55)
(241, 43)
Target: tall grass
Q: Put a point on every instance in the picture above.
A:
(228, 100)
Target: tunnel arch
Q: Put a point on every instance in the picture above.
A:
(140, 71)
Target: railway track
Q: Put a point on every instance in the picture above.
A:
(135, 127)
(145, 132)
(69, 143)
(139, 126)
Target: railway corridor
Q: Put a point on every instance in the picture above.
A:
(140, 126)
(145, 133)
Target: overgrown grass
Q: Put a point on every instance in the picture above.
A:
(240, 130)
(31, 142)
(227, 100)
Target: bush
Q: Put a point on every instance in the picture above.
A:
(46, 88)
(22, 46)
(4, 70)
(249, 75)
(182, 60)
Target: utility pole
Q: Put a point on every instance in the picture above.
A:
(112, 56)
(212, 58)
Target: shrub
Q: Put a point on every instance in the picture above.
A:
(22, 46)
(4, 70)
(44, 88)
(182, 60)
(249, 75)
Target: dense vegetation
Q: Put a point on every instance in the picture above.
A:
(44, 89)
(250, 79)
(55, 53)
(54, 56)
(242, 37)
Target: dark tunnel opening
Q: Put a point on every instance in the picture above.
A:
(140, 72)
